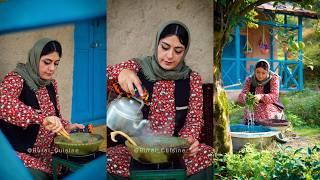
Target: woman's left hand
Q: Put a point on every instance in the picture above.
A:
(74, 126)
(194, 147)
(258, 97)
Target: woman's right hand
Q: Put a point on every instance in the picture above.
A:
(128, 79)
(52, 123)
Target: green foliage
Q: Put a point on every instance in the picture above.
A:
(311, 53)
(251, 18)
(295, 120)
(282, 163)
(236, 113)
(251, 101)
(307, 131)
(250, 163)
(297, 164)
(303, 108)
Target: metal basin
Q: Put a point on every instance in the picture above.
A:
(278, 124)
(260, 136)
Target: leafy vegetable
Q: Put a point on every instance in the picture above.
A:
(251, 101)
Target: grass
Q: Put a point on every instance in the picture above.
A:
(312, 54)
(236, 113)
(307, 131)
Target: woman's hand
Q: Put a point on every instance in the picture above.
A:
(74, 126)
(194, 147)
(52, 123)
(128, 79)
(258, 97)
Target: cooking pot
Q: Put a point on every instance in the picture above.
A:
(124, 114)
(80, 143)
(157, 149)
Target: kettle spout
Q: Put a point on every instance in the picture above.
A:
(141, 124)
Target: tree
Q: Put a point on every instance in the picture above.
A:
(228, 14)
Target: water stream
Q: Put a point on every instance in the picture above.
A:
(251, 119)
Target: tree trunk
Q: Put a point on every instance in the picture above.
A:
(222, 138)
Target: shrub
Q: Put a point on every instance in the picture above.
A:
(236, 113)
(283, 163)
(302, 108)
(296, 164)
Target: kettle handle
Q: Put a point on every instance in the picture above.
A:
(139, 100)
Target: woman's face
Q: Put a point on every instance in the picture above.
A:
(170, 52)
(261, 74)
(48, 65)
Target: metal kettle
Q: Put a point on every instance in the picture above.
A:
(124, 114)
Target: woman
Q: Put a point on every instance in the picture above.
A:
(175, 97)
(264, 85)
(29, 108)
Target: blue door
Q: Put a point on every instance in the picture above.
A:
(89, 75)
(229, 72)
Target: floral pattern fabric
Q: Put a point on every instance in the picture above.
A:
(13, 111)
(265, 109)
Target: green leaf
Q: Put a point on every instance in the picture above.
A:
(309, 151)
(317, 168)
(288, 148)
(295, 46)
(316, 148)
(301, 45)
(298, 151)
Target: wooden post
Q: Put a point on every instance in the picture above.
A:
(238, 51)
(300, 54)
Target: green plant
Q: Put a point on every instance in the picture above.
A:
(296, 164)
(251, 101)
(308, 131)
(281, 163)
(236, 113)
(303, 109)
(249, 163)
(295, 120)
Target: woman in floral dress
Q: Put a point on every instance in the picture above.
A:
(175, 96)
(264, 84)
(29, 108)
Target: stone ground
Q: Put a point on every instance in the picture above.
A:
(303, 141)
(296, 141)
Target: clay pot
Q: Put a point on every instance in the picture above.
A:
(264, 51)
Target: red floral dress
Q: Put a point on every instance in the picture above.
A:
(13, 111)
(265, 110)
(161, 117)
